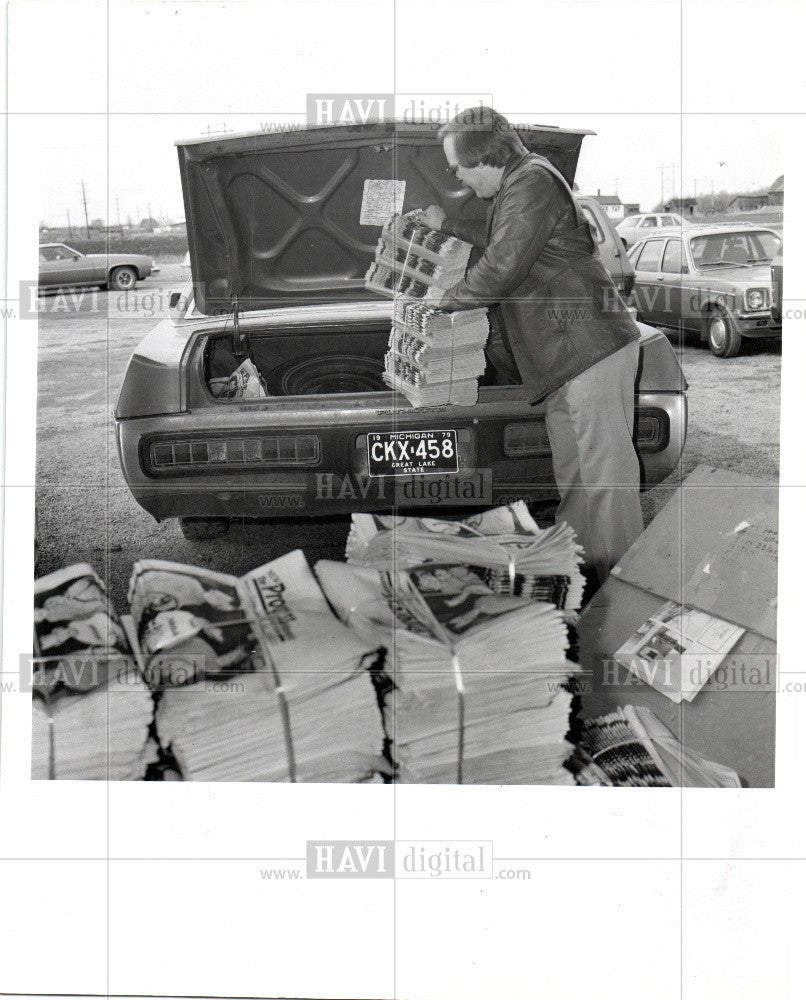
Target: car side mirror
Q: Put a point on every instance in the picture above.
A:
(76, 256)
(684, 269)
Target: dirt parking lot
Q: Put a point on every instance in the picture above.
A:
(86, 513)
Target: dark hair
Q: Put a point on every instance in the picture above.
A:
(483, 136)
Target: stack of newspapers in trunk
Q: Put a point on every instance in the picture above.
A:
(434, 357)
(91, 707)
(474, 686)
(260, 681)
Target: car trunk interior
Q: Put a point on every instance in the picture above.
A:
(320, 361)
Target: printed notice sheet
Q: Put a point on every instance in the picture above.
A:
(677, 650)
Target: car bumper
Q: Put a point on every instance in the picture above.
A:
(758, 325)
(338, 483)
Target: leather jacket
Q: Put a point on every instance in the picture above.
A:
(561, 312)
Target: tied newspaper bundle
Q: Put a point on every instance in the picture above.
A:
(91, 708)
(436, 357)
(473, 686)
(278, 689)
(631, 746)
(413, 260)
(504, 546)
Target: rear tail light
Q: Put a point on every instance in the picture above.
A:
(651, 430)
(528, 439)
(230, 453)
(523, 440)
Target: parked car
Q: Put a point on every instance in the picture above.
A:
(711, 280)
(634, 227)
(278, 258)
(60, 265)
(611, 249)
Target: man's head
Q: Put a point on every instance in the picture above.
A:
(478, 142)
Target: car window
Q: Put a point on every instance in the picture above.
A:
(672, 257)
(50, 253)
(649, 257)
(631, 220)
(593, 222)
(667, 220)
(649, 222)
(733, 249)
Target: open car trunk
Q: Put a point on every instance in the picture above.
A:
(327, 360)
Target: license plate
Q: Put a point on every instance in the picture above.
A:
(392, 453)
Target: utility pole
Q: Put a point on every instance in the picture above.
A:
(86, 214)
(69, 226)
(117, 206)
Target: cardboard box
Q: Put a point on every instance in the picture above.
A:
(713, 547)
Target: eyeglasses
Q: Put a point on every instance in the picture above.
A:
(452, 170)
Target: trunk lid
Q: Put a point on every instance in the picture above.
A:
(274, 218)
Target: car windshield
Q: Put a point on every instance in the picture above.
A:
(734, 249)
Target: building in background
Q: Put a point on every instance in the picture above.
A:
(683, 206)
(776, 192)
(613, 206)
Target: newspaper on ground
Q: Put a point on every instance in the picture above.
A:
(91, 708)
(631, 746)
(676, 650)
(504, 546)
(278, 687)
(474, 684)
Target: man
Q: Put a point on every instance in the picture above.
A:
(566, 335)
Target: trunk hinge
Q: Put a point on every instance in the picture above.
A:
(240, 338)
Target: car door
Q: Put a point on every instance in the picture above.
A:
(671, 277)
(649, 282)
(56, 266)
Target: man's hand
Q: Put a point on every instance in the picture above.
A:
(433, 216)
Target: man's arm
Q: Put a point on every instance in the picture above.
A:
(470, 230)
(525, 219)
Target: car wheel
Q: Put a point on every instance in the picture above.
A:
(724, 339)
(202, 529)
(123, 279)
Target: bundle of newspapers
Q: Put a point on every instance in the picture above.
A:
(473, 685)
(504, 546)
(91, 707)
(412, 260)
(436, 357)
(631, 746)
(260, 681)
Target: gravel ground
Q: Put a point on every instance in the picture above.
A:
(86, 513)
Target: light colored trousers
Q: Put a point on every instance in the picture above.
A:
(590, 425)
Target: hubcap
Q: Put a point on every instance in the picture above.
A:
(718, 332)
(125, 279)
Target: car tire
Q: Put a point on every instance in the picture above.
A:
(203, 529)
(122, 279)
(723, 338)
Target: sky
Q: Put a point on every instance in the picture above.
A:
(132, 163)
(142, 74)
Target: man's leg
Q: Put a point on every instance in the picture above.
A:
(590, 423)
